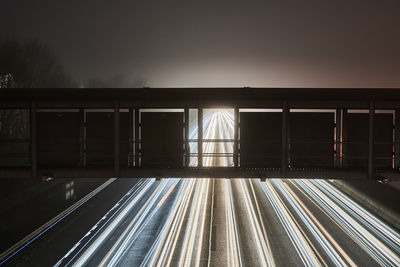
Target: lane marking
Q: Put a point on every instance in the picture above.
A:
(165, 196)
(212, 229)
(168, 241)
(101, 224)
(120, 217)
(17, 247)
(295, 234)
(328, 244)
(259, 231)
(367, 241)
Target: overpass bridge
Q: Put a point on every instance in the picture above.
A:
(159, 132)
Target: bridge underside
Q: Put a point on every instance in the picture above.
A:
(176, 132)
(205, 172)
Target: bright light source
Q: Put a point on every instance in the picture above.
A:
(218, 124)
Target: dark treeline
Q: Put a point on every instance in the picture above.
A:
(30, 64)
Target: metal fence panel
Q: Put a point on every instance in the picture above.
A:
(260, 139)
(162, 139)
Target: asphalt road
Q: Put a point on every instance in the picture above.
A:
(209, 222)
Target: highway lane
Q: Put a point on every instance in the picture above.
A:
(49, 247)
(209, 222)
(37, 200)
(246, 222)
(375, 237)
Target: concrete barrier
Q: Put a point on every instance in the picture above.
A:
(381, 199)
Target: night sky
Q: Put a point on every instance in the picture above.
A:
(217, 43)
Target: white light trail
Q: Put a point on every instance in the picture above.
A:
(336, 254)
(257, 227)
(217, 124)
(362, 215)
(196, 223)
(167, 243)
(131, 231)
(362, 233)
(298, 239)
(233, 244)
(137, 225)
(134, 191)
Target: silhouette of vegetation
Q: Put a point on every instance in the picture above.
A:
(30, 64)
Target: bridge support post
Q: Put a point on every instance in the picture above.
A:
(285, 123)
(397, 140)
(137, 140)
(338, 162)
(187, 147)
(33, 132)
(116, 139)
(82, 161)
(200, 137)
(371, 141)
(131, 146)
(236, 138)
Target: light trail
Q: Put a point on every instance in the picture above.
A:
(361, 233)
(218, 129)
(168, 236)
(383, 231)
(141, 220)
(299, 241)
(135, 192)
(217, 124)
(233, 243)
(257, 227)
(121, 243)
(334, 251)
(195, 228)
(133, 230)
(165, 196)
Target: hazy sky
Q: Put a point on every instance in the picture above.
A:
(217, 42)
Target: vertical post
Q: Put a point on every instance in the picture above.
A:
(187, 147)
(371, 141)
(116, 139)
(236, 138)
(33, 140)
(130, 139)
(338, 137)
(397, 140)
(200, 137)
(285, 123)
(137, 140)
(345, 158)
(81, 137)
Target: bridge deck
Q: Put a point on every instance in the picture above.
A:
(342, 144)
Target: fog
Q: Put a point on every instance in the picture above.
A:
(216, 43)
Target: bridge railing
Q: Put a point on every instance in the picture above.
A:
(368, 142)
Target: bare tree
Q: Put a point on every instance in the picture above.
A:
(7, 81)
(32, 65)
